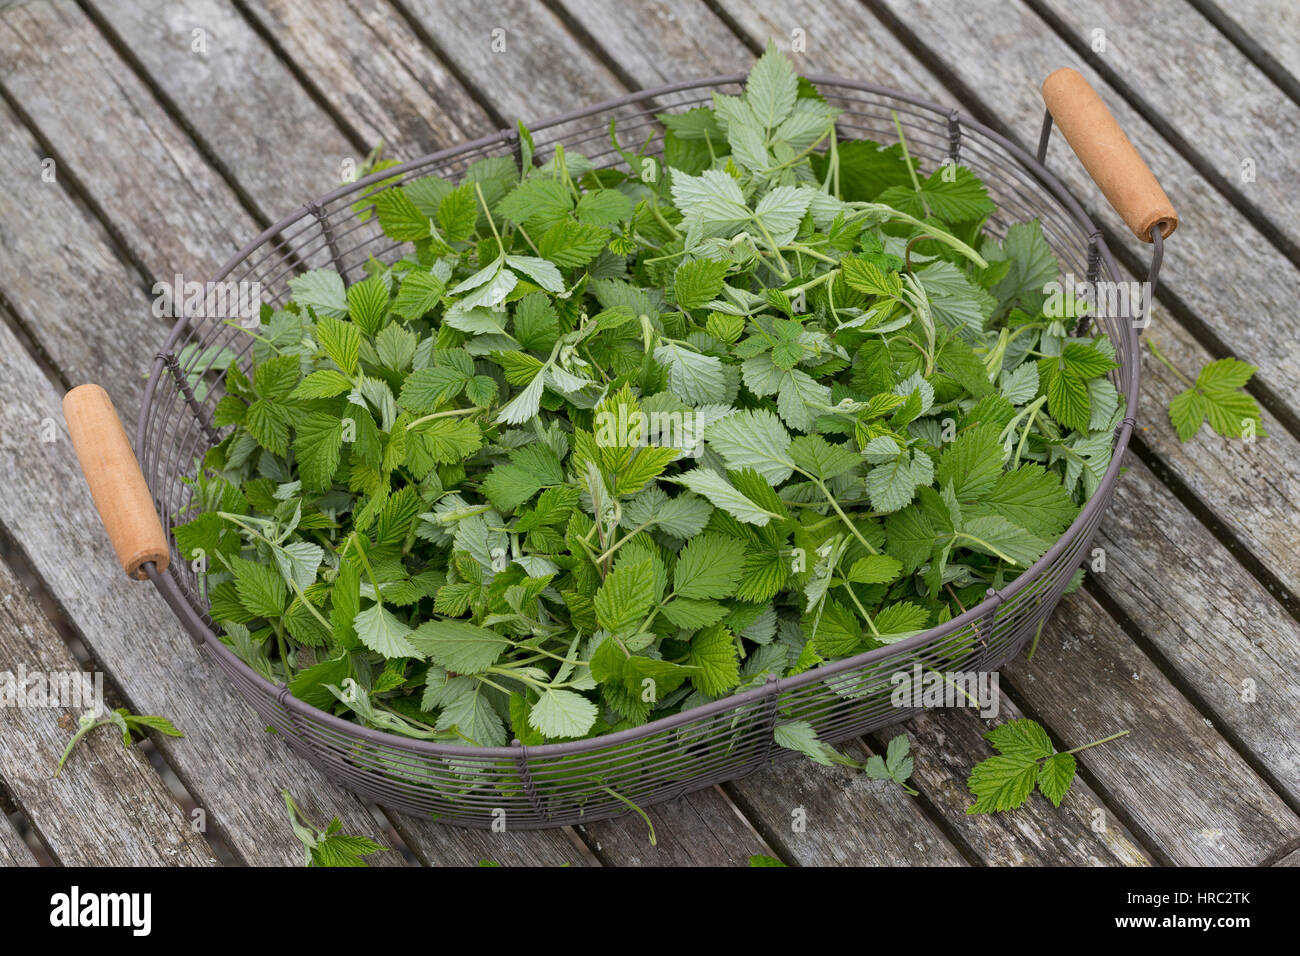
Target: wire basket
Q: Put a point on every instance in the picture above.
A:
(587, 780)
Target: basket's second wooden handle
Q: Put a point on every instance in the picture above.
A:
(1107, 155)
(116, 484)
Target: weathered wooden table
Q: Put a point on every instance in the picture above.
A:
(148, 138)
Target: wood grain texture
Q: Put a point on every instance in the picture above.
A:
(1207, 90)
(947, 744)
(375, 72)
(834, 816)
(437, 844)
(139, 166)
(232, 767)
(517, 54)
(60, 273)
(1273, 25)
(1187, 795)
(1226, 636)
(108, 807)
(237, 97)
(701, 829)
(13, 850)
(665, 41)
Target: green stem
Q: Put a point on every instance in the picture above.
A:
(907, 158)
(1169, 365)
(449, 413)
(1096, 743)
(488, 212)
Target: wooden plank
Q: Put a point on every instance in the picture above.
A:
(441, 845)
(519, 57)
(1271, 25)
(948, 744)
(701, 829)
(13, 849)
(62, 276)
(835, 816)
(1226, 636)
(232, 767)
(1291, 859)
(1186, 794)
(236, 96)
(134, 161)
(108, 807)
(1222, 106)
(658, 42)
(376, 73)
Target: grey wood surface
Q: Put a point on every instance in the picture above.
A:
(108, 806)
(13, 850)
(214, 117)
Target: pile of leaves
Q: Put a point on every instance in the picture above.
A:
(607, 444)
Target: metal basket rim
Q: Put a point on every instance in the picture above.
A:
(206, 637)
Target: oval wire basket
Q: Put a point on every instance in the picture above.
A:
(592, 779)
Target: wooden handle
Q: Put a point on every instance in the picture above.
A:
(116, 484)
(1107, 154)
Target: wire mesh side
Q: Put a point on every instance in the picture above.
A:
(591, 779)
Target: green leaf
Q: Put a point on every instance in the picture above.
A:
(1021, 738)
(695, 378)
(562, 713)
(380, 630)
(875, 569)
(1002, 783)
(368, 303)
(709, 567)
(325, 383)
(771, 88)
(1067, 395)
(458, 213)
(713, 653)
(720, 491)
(317, 447)
(1030, 497)
(1055, 777)
(261, 589)
(458, 646)
(901, 618)
(698, 281)
(419, 293)
(531, 468)
(571, 244)
(820, 458)
(399, 217)
(972, 462)
(320, 290)
(341, 342)
(995, 535)
(752, 439)
(625, 596)
(537, 204)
